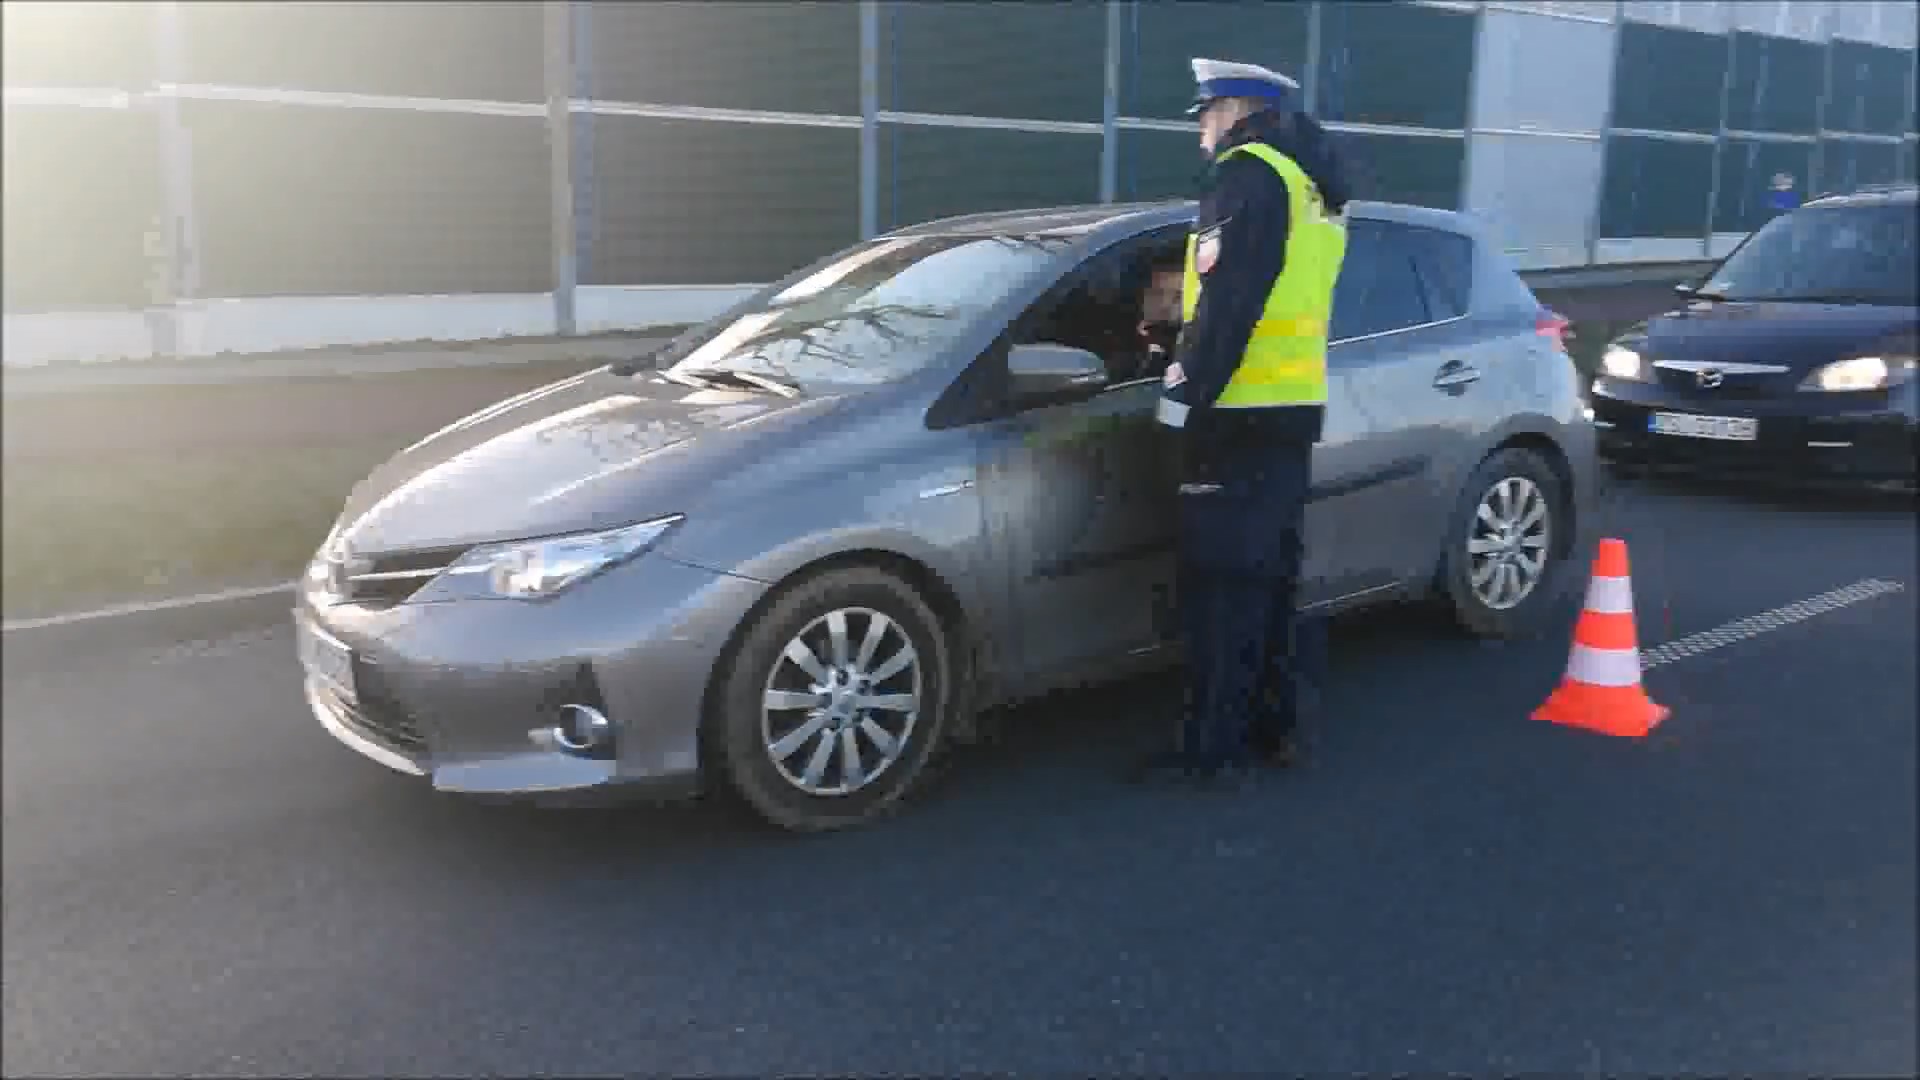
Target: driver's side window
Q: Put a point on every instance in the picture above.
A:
(1122, 306)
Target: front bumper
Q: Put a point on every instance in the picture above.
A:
(465, 693)
(1802, 436)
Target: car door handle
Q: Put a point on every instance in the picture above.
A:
(1455, 375)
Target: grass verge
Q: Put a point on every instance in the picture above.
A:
(84, 532)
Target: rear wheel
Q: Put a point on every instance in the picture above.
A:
(833, 701)
(1502, 567)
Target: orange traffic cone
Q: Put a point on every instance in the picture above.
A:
(1601, 691)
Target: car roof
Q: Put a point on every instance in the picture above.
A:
(1885, 195)
(1128, 218)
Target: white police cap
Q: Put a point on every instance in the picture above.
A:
(1215, 79)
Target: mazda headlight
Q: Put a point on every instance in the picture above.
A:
(536, 569)
(1621, 362)
(1861, 373)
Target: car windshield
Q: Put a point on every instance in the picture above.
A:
(881, 312)
(1831, 254)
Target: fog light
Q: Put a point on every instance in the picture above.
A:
(582, 729)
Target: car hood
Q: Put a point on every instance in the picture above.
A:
(594, 451)
(1800, 336)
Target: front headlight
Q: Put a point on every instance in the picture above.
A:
(1620, 362)
(536, 569)
(1861, 373)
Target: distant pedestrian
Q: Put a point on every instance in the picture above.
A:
(1783, 197)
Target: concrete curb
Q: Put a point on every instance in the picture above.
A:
(332, 364)
(71, 646)
(150, 607)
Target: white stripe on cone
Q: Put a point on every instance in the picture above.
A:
(1610, 596)
(1604, 667)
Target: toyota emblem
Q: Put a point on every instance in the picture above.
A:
(341, 566)
(1709, 378)
(336, 576)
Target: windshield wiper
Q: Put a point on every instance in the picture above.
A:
(725, 378)
(1824, 298)
(633, 365)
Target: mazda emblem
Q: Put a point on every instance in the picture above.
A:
(1709, 378)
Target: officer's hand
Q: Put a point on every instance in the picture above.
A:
(1174, 376)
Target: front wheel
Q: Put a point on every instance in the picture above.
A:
(833, 701)
(1508, 544)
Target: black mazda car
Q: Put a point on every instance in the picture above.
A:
(1794, 360)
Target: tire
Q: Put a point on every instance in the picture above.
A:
(741, 732)
(1518, 470)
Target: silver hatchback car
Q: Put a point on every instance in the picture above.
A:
(798, 549)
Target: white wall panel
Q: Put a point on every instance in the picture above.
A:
(1899, 24)
(1536, 194)
(1591, 9)
(1713, 16)
(1535, 72)
(1664, 12)
(1650, 249)
(1808, 20)
(1760, 16)
(1854, 21)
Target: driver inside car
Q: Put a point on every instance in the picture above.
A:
(1129, 323)
(1159, 325)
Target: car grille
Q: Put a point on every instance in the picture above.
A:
(387, 579)
(1734, 387)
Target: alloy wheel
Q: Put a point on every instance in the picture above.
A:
(841, 702)
(1509, 543)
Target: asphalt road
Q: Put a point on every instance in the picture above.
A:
(198, 881)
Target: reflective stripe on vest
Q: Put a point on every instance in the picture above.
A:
(1286, 358)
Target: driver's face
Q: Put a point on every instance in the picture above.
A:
(1162, 302)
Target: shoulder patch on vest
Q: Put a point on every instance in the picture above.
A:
(1206, 248)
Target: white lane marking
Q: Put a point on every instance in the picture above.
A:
(225, 596)
(1754, 625)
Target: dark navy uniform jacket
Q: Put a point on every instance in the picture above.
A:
(1246, 201)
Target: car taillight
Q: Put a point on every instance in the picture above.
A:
(1554, 327)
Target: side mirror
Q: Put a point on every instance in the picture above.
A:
(1045, 374)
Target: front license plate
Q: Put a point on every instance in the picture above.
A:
(326, 659)
(1690, 426)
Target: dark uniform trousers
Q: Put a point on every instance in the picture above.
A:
(1252, 660)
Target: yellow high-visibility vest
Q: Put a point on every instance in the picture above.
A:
(1286, 358)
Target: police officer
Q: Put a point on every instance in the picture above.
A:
(1247, 393)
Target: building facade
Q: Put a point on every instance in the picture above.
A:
(210, 177)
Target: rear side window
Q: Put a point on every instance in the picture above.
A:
(1444, 261)
(1379, 290)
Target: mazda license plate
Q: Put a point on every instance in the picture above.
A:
(324, 658)
(1691, 426)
